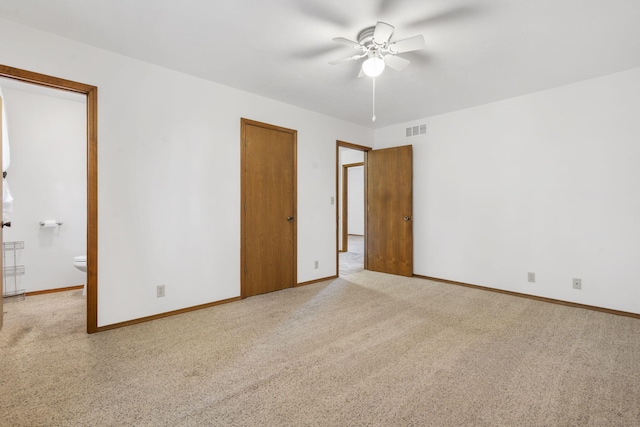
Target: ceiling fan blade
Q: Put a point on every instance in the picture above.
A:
(445, 16)
(314, 52)
(348, 42)
(382, 33)
(407, 45)
(396, 62)
(347, 59)
(323, 13)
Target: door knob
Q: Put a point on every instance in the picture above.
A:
(289, 218)
(407, 218)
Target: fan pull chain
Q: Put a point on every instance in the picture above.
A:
(373, 119)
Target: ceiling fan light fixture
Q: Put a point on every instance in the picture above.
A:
(373, 66)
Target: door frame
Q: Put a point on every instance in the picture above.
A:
(365, 150)
(1, 229)
(345, 204)
(243, 195)
(91, 93)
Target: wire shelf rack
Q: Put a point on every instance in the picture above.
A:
(11, 270)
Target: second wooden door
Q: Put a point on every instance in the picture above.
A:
(389, 233)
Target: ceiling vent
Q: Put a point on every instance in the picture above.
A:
(416, 130)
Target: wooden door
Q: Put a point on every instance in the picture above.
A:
(268, 208)
(389, 233)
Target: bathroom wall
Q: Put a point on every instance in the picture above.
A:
(169, 175)
(47, 178)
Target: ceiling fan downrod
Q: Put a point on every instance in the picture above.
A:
(373, 119)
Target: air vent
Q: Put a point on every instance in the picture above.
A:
(416, 130)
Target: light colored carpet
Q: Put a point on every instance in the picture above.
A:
(375, 350)
(352, 261)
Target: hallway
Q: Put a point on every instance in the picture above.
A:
(352, 261)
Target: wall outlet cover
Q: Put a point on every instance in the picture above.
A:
(577, 283)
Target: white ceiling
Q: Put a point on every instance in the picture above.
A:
(477, 51)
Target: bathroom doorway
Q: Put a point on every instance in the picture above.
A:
(23, 85)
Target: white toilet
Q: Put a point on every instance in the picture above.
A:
(80, 262)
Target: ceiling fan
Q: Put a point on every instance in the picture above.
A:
(374, 43)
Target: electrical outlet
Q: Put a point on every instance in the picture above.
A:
(531, 277)
(160, 291)
(316, 264)
(577, 283)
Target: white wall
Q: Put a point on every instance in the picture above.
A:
(169, 169)
(356, 200)
(346, 156)
(47, 177)
(546, 183)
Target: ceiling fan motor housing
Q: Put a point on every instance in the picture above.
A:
(365, 37)
(374, 42)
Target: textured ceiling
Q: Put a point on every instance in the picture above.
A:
(477, 51)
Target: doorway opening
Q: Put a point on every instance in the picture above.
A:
(388, 218)
(90, 93)
(44, 163)
(351, 207)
